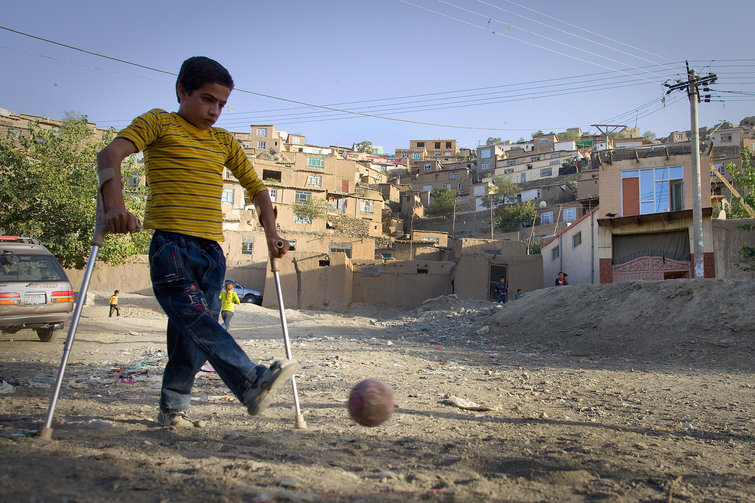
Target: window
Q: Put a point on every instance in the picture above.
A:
(302, 219)
(554, 163)
(546, 217)
(555, 253)
(227, 197)
(315, 180)
(535, 158)
(479, 190)
(678, 136)
(461, 186)
(302, 196)
(543, 141)
(341, 247)
(448, 144)
(428, 167)
(247, 245)
(415, 155)
(522, 177)
(485, 166)
(448, 154)
(508, 171)
(510, 162)
(420, 144)
(316, 162)
(447, 186)
(291, 244)
(367, 207)
(261, 133)
(437, 144)
(453, 176)
(570, 214)
(485, 153)
(269, 175)
(427, 188)
(227, 174)
(296, 140)
(431, 239)
(576, 240)
(546, 172)
(654, 190)
(261, 144)
(725, 138)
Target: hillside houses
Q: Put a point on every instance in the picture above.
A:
(373, 223)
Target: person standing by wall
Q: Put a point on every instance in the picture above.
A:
(228, 300)
(501, 290)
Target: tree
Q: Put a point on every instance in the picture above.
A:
(310, 209)
(743, 178)
(538, 133)
(492, 141)
(363, 146)
(48, 189)
(569, 136)
(649, 135)
(442, 202)
(512, 216)
(502, 188)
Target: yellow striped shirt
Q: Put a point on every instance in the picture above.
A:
(185, 173)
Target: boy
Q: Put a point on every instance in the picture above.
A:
(185, 157)
(228, 301)
(114, 305)
(501, 290)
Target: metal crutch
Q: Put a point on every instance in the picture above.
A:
(275, 267)
(100, 230)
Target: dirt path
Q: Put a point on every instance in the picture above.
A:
(650, 399)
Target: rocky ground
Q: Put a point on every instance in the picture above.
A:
(636, 391)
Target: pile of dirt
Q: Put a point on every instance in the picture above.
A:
(699, 320)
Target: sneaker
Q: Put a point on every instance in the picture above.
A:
(177, 420)
(257, 399)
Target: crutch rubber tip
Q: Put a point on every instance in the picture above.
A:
(300, 423)
(45, 433)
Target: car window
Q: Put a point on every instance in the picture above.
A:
(30, 267)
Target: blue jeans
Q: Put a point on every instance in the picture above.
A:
(187, 274)
(226, 315)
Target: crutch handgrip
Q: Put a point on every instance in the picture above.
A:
(275, 262)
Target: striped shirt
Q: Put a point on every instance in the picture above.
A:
(185, 173)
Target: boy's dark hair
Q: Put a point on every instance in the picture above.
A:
(115, 292)
(199, 70)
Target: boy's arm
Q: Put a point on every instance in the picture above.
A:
(264, 207)
(119, 220)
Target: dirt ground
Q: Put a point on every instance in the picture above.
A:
(636, 391)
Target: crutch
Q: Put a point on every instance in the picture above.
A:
(275, 267)
(100, 230)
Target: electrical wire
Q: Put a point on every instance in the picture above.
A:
(545, 37)
(579, 36)
(520, 40)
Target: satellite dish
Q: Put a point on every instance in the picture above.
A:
(543, 204)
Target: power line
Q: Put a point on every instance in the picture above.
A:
(511, 26)
(575, 35)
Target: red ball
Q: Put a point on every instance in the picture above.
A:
(371, 402)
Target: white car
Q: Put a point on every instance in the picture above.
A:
(34, 290)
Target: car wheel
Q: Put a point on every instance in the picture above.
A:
(45, 334)
(253, 299)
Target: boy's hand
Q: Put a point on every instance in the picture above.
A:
(277, 246)
(120, 221)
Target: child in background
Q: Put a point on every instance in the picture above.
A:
(114, 305)
(228, 300)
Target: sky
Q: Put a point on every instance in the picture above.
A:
(386, 71)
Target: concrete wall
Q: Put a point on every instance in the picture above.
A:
(132, 277)
(472, 274)
(729, 236)
(403, 284)
(322, 282)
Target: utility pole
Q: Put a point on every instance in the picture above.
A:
(692, 84)
(613, 127)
